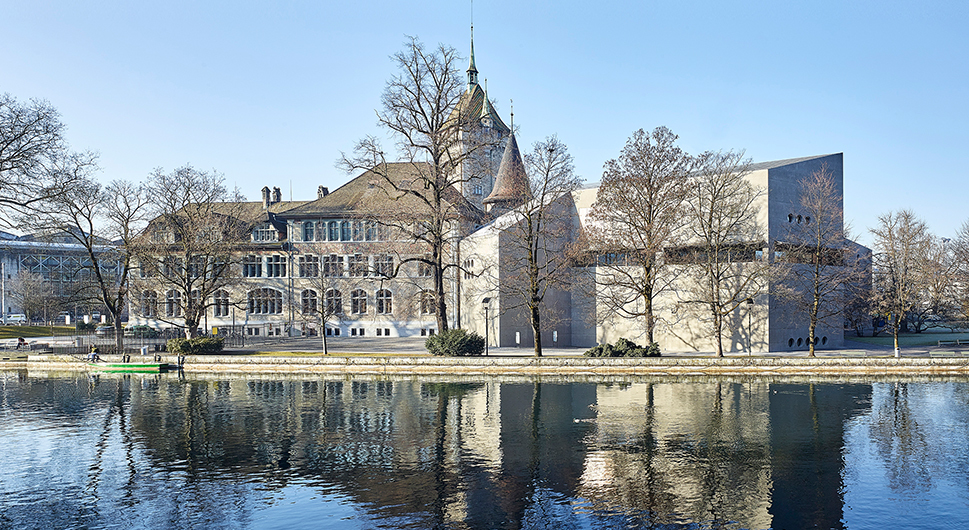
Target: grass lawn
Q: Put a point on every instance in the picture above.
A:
(12, 332)
(331, 354)
(926, 338)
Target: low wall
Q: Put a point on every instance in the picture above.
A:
(531, 366)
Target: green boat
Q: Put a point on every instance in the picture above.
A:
(132, 367)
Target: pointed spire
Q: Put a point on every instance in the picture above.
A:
(472, 71)
(486, 110)
(511, 186)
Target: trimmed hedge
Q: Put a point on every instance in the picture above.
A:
(455, 343)
(196, 346)
(624, 348)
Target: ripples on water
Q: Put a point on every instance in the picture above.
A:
(163, 452)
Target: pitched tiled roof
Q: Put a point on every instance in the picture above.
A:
(472, 107)
(361, 195)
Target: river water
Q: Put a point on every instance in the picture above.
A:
(171, 452)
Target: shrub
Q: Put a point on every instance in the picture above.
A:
(624, 348)
(455, 343)
(196, 346)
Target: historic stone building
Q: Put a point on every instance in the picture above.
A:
(335, 265)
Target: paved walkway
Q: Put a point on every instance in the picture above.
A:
(415, 346)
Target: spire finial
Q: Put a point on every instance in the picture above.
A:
(512, 115)
(472, 71)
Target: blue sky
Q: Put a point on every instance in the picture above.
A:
(270, 93)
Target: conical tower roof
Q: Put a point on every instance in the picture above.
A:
(511, 186)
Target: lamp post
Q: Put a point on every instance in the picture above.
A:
(485, 303)
(750, 338)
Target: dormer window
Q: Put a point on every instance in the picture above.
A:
(265, 232)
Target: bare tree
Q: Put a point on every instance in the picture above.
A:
(817, 268)
(639, 212)
(961, 289)
(36, 164)
(185, 253)
(538, 256)
(721, 259)
(901, 242)
(421, 198)
(34, 294)
(937, 294)
(104, 222)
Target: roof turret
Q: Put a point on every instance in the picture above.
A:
(472, 71)
(511, 186)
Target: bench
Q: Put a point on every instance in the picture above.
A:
(956, 342)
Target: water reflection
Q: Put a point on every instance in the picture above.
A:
(168, 452)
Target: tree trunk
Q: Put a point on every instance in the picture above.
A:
(537, 329)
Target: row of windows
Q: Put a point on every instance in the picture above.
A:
(267, 301)
(325, 231)
(341, 231)
(309, 266)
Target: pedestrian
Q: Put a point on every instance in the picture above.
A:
(93, 356)
(21, 343)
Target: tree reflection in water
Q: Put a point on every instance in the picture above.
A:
(256, 452)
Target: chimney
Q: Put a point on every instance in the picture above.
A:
(265, 197)
(277, 195)
(322, 191)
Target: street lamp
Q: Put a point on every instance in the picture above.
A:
(750, 338)
(485, 303)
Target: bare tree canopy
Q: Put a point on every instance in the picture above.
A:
(104, 222)
(819, 270)
(901, 241)
(539, 252)
(724, 238)
(639, 212)
(36, 163)
(184, 255)
(436, 144)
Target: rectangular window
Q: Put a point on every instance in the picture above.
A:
(252, 266)
(424, 269)
(309, 266)
(384, 266)
(358, 265)
(276, 266)
(332, 266)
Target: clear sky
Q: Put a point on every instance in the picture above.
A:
(270, 93)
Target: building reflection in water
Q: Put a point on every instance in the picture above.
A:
(407, 453)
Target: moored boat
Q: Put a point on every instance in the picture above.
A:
(131, 367)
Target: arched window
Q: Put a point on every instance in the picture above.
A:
(173, 303)
(310, 302)
(149, 304)
(344, 230)
(385, 302)
(334, 302)
(334, 229)
(309, 230)
(358, 301)
(428, 305)
(265, 302)
(220, 303)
